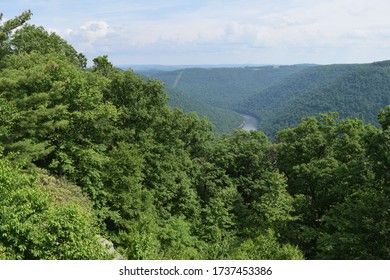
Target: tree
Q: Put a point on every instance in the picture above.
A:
(357, 228)
(242, 194)
(325, 162)
(384, 117)
(34, 226)
(247, 158)
(31, 38)
(265, 247)
(7, 28)
(378, 144)
(102, 65)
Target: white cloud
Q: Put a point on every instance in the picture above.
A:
(94, 30)
(90, 37)
(240, 31)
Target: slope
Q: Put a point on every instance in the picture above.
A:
(224, 87)
(357, 90)
(223, 120)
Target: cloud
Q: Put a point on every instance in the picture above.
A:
(239, 31)
(91, 36)
(94, 30)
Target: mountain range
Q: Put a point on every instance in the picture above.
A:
(278, 96)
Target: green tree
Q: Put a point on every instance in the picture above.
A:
(7, 28)
(384, 118)
(378, 148)
(265, 247)
(63, 123)
(325, 162)
(242, 194)
(248, 161)
(31, 38)
(102, 65)
(357, 228)
(34, 226)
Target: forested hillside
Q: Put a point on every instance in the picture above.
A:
(224, 87)
(224, 121)
(355, 90)
(280, 96)
(208, 90)
(89, 154)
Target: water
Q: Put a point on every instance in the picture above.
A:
(250, 123)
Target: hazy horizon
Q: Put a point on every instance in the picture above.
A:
(173, 32)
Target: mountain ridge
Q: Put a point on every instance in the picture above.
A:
(352, 90)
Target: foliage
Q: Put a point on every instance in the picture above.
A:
(224, 87)
(7, 28)
(352, 90)
(32, 226)
(224, 121)
(333, 180)
(358, 228)
(31, 38)
(87, 153)
(216, 92)
(266, 246)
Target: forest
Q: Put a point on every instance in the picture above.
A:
(279, 96)
(223, 120)
(218, 93)
(352, 90)
(96, 154)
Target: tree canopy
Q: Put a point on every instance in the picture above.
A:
(89, 154)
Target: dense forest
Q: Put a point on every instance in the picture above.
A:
(224, 87)
(91, 155)
(280, 96)
(224, 121)
(217, 93)
(355, 90)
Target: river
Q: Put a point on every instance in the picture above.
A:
(249, 123)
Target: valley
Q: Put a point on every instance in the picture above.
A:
(249, 123)
(153, 163)
(279, 97)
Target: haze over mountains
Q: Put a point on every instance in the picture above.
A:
(162, 67)
(279, 96)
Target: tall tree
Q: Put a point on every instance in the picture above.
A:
(31, 38)
(7, 28)
(33, 225)
(325, 161)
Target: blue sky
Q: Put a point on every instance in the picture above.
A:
(217, 31)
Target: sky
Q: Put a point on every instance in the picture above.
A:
(173, 32)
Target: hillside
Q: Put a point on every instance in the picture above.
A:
(279, 96)
(224, 87)
(216, 92)
(90, 156)
(224, 121)
(357, 90)
(96, 154)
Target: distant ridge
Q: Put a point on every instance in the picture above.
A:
(225, 87)
(158, 67)
(352, 90)
(222, 87)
